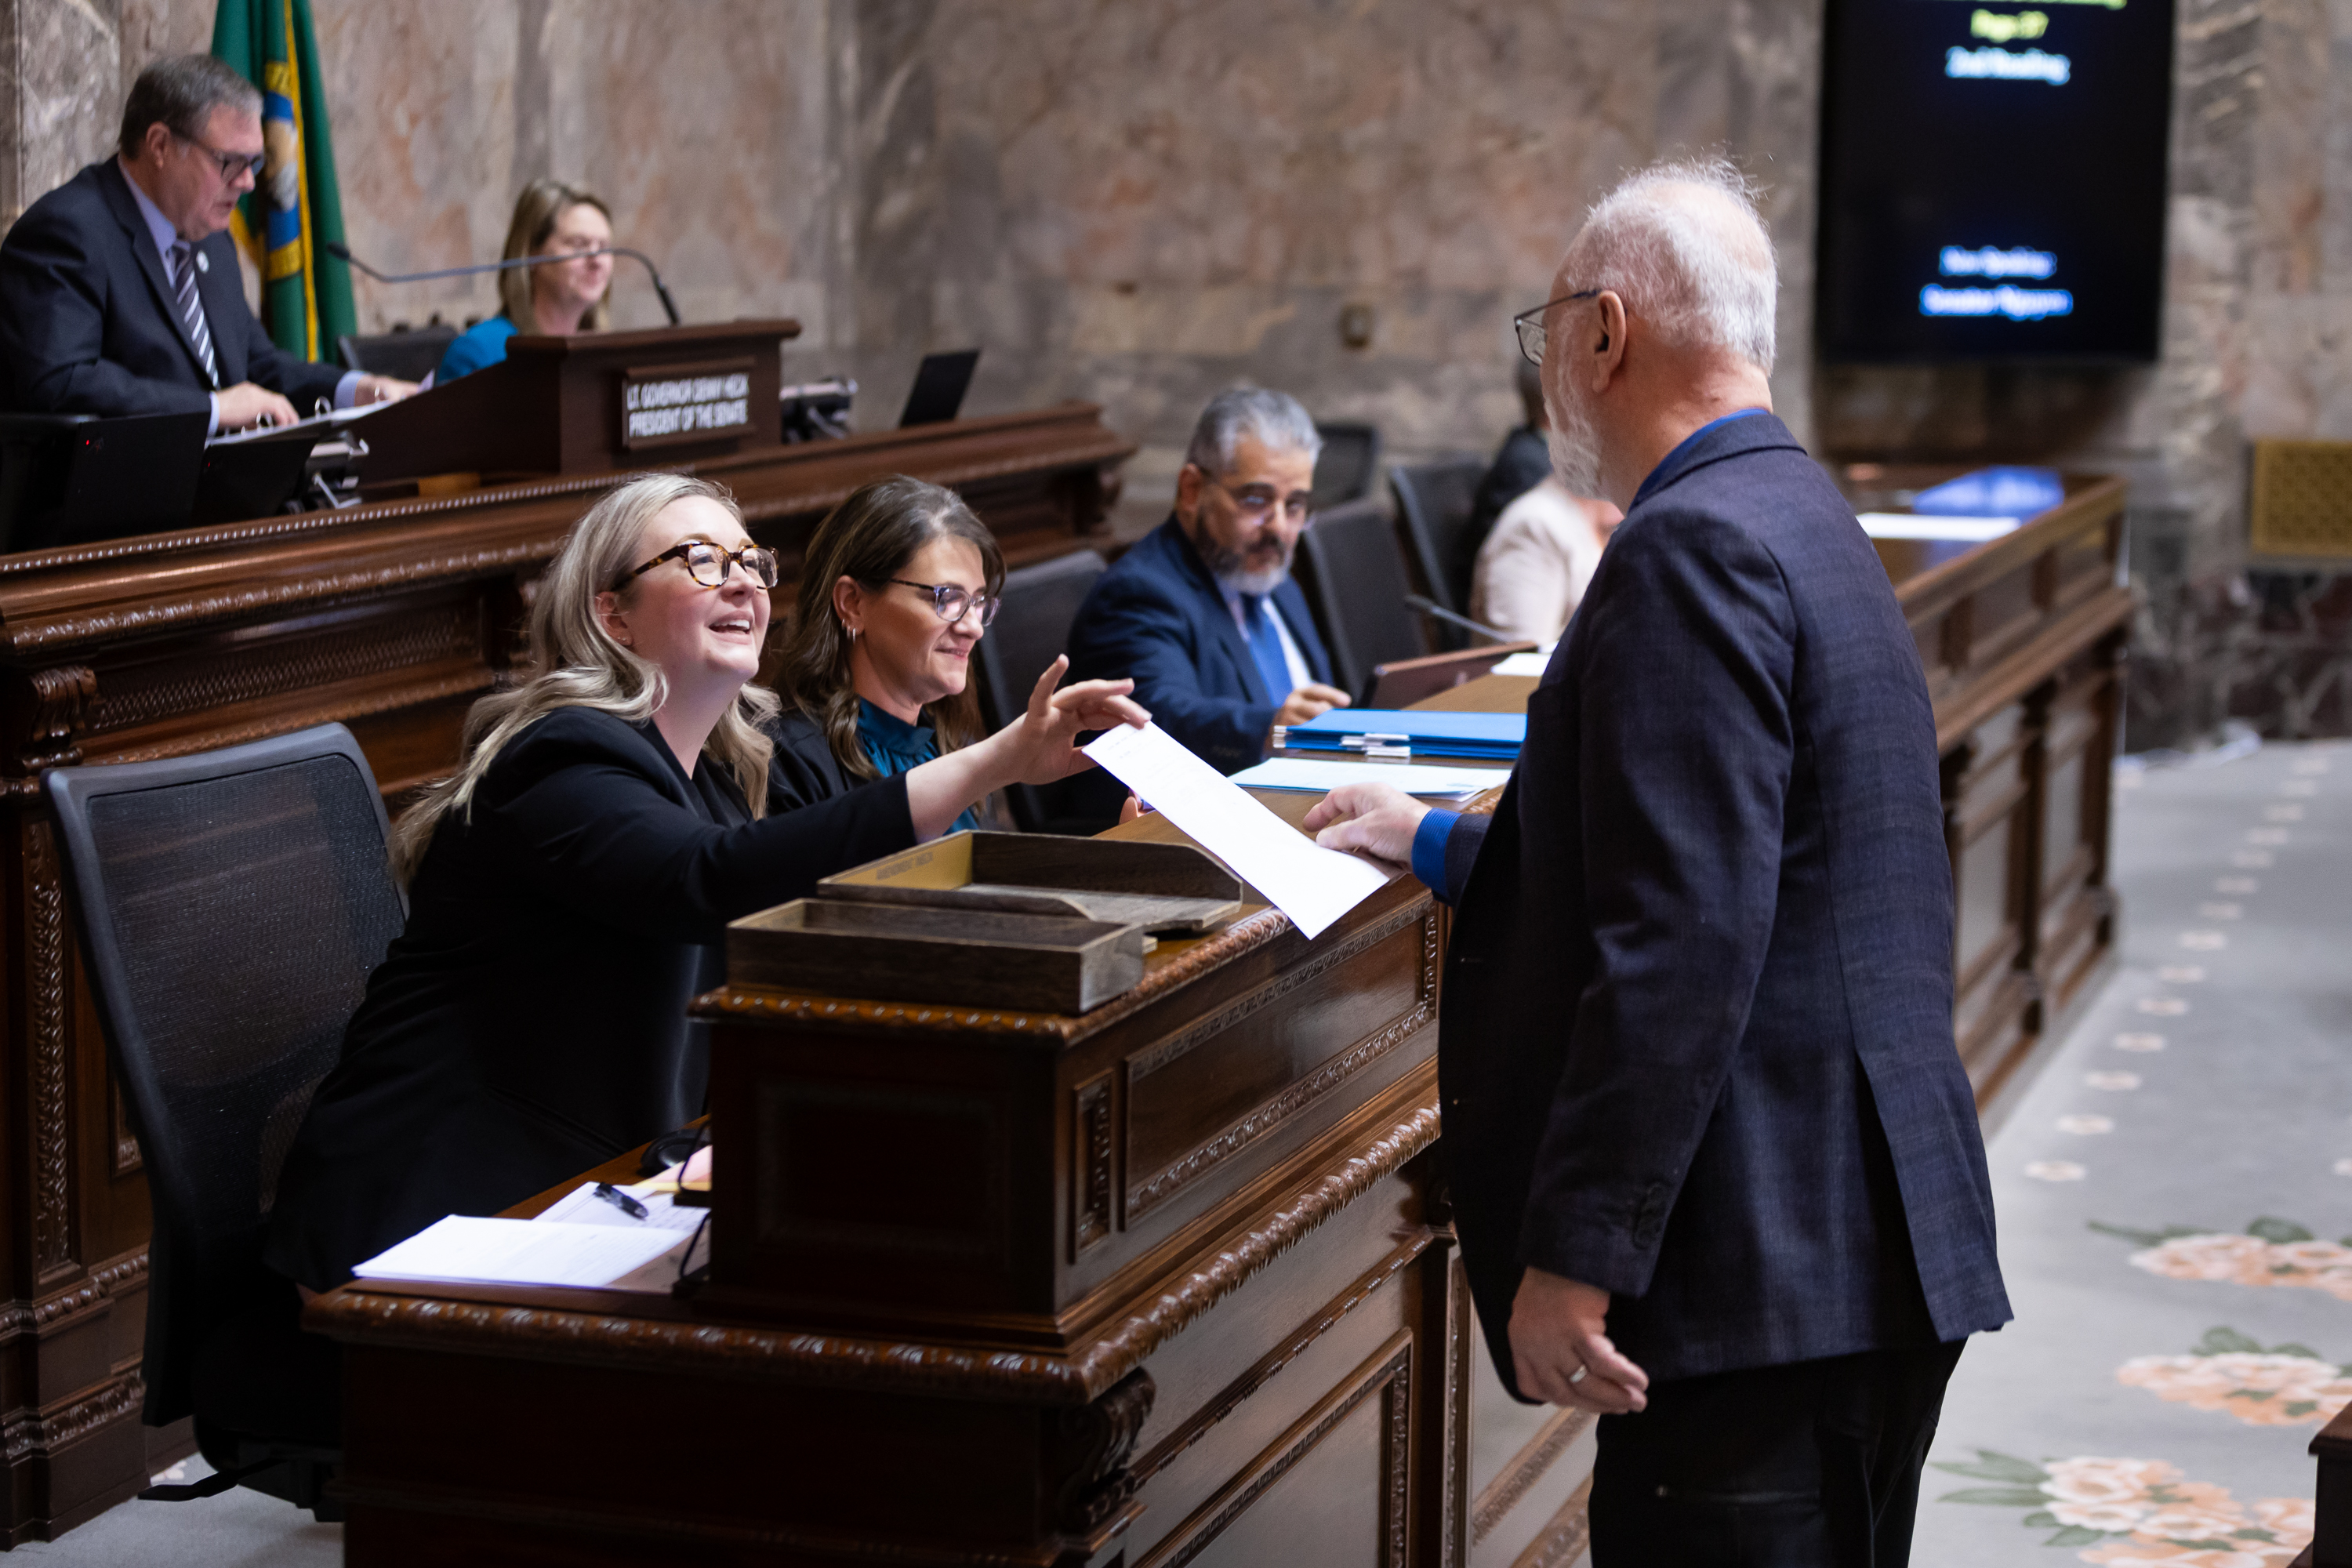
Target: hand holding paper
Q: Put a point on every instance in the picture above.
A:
(1313, 886)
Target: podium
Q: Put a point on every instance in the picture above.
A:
(591, 404)
(392, 617)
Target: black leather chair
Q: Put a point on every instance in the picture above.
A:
(230, 907)
(1350, 462)
(1354, 578)
(1032, 630)
(1433, 502)
(404, 353)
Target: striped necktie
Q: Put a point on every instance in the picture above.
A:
(191, 309)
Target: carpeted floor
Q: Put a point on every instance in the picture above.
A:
(238, 1528)
(2176, 1217)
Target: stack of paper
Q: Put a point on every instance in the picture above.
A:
(1424, 732)
(1316, 774)
(523, 1252)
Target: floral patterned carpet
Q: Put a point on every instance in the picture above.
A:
(2175, 1194)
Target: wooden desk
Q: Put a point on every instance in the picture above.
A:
(1164, 1284)
(391, 619)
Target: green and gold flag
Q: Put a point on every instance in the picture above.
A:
(294, 212)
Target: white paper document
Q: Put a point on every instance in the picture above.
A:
(1312, 885)
(1917, 525)
(1531, 665)
(1414, 778)
(325, 424)
(523, 1252)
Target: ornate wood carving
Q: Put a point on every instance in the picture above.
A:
(1093, 1184)
(1392, 1383)
(611, 1337)
(61, 699)
(1095, 1440)
(76, 1300)
(114, 1401)
(1307, 1093)
(46, 980)
(1503, 1493)
(1235, 1395)
(1566, 1537)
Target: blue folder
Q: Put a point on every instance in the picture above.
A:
(1397, 732)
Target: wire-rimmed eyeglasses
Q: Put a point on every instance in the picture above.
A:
(1529, 324)
(951, 602)
(708, 565)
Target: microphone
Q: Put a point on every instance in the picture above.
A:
(669, 306)
(1414, 601)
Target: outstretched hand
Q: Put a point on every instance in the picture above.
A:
(1042, 744)
(1560, 1354)
(1376, 818)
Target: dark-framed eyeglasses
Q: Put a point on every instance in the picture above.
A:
(708, 565)
(951, 603)
(1529, 324)
(232, 164)
(1257, 502)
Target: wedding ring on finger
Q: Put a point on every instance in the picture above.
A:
(1578, 1376)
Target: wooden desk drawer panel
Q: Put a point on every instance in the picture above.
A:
(1256, 1073)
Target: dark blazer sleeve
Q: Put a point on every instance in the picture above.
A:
(57, 287)
(592, 822)
(1683, 711)
(803, 770)
(1132, 626)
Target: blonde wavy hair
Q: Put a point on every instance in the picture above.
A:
(575, 662)
(536, 211)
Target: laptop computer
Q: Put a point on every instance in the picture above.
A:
(940, 384)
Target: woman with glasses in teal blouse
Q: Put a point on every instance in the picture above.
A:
(896, 589)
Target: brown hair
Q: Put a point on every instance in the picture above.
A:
(536, 211)
(869, 538)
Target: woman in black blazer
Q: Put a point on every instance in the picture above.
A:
(569, 887)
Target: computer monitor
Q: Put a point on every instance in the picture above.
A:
(939, 385)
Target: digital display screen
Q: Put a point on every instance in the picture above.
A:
(1993, 180)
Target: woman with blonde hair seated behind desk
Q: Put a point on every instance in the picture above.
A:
(1533, 569)
(558, 299)
(569, 887)
(898, 586)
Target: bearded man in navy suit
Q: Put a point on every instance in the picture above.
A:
(119, 292)
(1715, 1164)
(1202, 614)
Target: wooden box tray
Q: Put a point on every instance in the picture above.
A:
(1158, 887)
(961, 957)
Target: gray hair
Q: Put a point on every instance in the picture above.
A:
(181, 91)
(1275, 419)
(1701, 273)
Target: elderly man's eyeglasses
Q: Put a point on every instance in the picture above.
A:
(708, 565)
(1529, 324)
(232, 164)
(1255, 502)
(952, 602)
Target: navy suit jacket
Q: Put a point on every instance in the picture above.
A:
(89, 322)
(1157, 616)
(1696, 1043)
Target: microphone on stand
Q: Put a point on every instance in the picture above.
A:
(669, 306)
(1414, 601)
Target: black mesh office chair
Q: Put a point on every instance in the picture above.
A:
(1349, 463)
(1434, 503)
(230, 907)
(1354, 578)
(1032, 630)
(404, 353)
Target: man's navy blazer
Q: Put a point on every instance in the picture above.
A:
(1157, 616)
(1696, 1045)
(89, 322)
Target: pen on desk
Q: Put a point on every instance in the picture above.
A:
(623, 1201)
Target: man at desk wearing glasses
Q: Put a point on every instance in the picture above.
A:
(119, 292)
(1203, 613)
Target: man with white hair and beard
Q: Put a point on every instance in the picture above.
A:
(1202, 614)
(1714, 1164)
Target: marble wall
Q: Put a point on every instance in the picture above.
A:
(1139, 201)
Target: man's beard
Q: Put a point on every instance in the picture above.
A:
(1229, 567)
(1575, 445)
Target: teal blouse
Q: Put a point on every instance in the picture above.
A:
(894, 746)
(483, 343)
